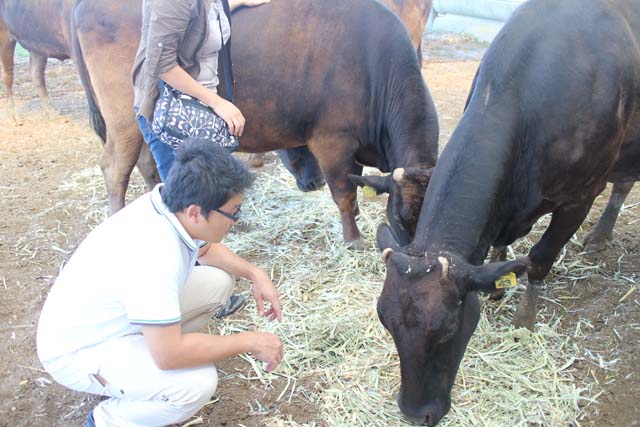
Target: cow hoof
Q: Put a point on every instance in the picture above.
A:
(595, 242)
(356, 245)
(496, 295)
(524, 318)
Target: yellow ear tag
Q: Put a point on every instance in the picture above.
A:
(506, 281)
(369, 191)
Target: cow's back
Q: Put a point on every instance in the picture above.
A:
(298, 62)
(547, 76)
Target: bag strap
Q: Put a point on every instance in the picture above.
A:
(226, 55)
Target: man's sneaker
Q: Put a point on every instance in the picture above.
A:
(90, 421)
(233, 304)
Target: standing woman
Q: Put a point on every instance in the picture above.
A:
(180, 46)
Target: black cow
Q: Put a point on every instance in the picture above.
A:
(554, 113)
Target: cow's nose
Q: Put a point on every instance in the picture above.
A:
(434, 412)
(310, 185)
(429, 414)
(316, 184)
(428, 420)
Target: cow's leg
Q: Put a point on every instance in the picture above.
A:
(37, 65)
(120, 154)
(564, 223)
(336, 156)
(498, 254)
(147, 166)
(602, 233)
(108, 45)
(356, 169)
(7, 49)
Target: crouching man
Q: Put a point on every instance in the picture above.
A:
(123, 318)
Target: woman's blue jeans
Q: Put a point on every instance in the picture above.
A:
(162, 153)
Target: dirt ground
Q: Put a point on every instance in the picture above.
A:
(42, 219)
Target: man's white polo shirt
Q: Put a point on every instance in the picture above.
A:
(128, 272)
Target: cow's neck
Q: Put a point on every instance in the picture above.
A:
(403, 122)
(464, 209)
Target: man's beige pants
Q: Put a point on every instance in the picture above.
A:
(139, 393)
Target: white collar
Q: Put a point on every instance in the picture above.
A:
(162, 209)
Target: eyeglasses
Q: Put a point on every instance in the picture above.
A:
(235, 216)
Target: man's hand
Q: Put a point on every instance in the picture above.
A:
(267, 348)
(263, 290)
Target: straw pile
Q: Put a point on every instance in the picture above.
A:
(333, 337)
(508, 377)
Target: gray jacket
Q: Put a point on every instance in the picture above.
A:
(173, 31)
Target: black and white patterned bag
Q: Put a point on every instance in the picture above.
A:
(178, 116)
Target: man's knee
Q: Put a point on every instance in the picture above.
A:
(227, 281)
(196, 390)
(217, 284)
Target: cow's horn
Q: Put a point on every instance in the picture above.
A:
(398, 174)
(445, 266)
(386, 253)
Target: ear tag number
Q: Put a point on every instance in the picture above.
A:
(506, 281)
(369, 191)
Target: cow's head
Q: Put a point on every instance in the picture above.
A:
(429, 305)
(407, 188)
(304, 167)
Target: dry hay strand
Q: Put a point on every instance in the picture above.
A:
(332, 334)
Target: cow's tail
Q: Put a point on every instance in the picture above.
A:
(95, 116)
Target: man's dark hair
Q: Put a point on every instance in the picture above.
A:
(205, 175)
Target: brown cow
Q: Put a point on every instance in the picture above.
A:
(44, 29)
(41, 27)
(349, 92)
(414, 14)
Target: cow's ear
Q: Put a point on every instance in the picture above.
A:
(386, 239)
(378, 183)
(482, 278)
